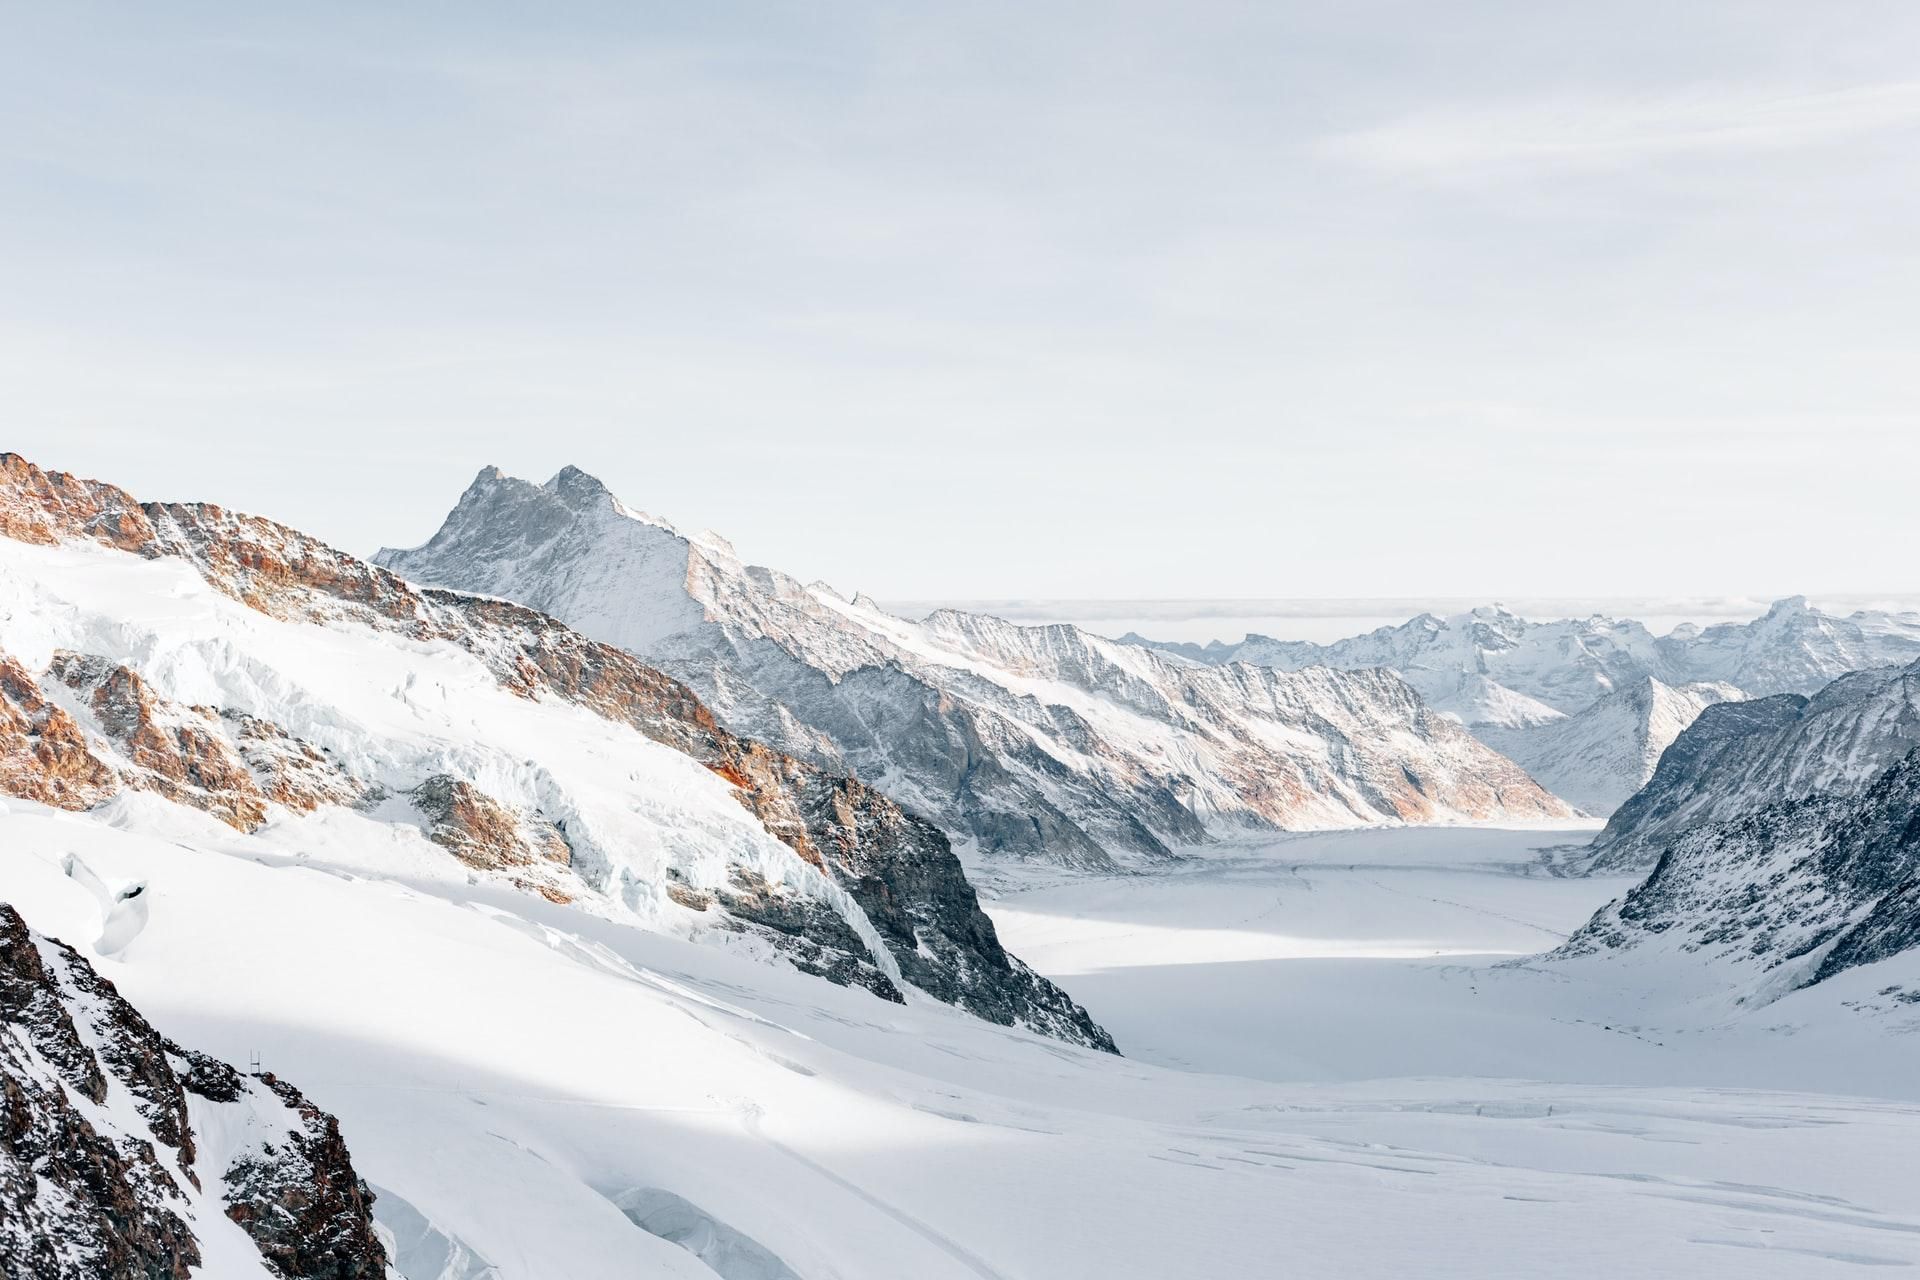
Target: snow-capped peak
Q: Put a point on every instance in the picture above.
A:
(1040, 741)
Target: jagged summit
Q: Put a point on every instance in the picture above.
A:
(168, 653)
(1512, 681)
(1035, 741)
(583, 492)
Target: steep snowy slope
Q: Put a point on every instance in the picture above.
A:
(233, 666)
(1041, 741)
(1738, 756)
(124, 1156)
(1778, 896)
(1604, 753)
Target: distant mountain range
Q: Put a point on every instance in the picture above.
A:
(1037, 742)
(1588, 704)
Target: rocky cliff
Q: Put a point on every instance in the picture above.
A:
(1781, 894)
(1738, 756)
(107, 1171)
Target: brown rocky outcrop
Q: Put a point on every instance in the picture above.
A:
(482, 832)
(43, 751)
(289, 771)
(178, 752)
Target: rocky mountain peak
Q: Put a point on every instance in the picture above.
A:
(1034, 741)
(578, 489)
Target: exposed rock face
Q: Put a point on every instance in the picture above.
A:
(903, 874)
(1784, 894)
(291, 773)
(1738, 756)
(178, 752)
(489, 836)
(482, 832)
(43, 751)
(225, 763)
(1030, 741)
(94, 1190)
(301, 1201)
(284, 574)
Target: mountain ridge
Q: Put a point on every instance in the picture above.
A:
(1043, 741)
(570, 769)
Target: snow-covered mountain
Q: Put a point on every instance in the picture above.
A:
(1738, 756)
(1493, 667)
(126, 1156)
(1511, 681)
(223, 663)
(1037, 741)
(1770, 897)
(1488, 666)
(1602, 754)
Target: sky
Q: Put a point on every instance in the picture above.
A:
(1196, 300)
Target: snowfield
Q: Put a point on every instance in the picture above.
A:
(549, 1094)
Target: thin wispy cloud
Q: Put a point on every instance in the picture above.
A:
(1602, 133)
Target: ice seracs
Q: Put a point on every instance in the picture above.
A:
(1039, 742)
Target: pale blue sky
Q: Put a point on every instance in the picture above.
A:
(1482, 299)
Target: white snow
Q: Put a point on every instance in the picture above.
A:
(393, 711)
(519, 1073)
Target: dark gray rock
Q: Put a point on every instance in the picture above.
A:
(80, 1203)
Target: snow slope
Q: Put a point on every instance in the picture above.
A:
(1043, 742)
(549, 1093)
(1602, 754)
(233, 666)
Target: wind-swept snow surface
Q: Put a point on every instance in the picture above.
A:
(526, 1081)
